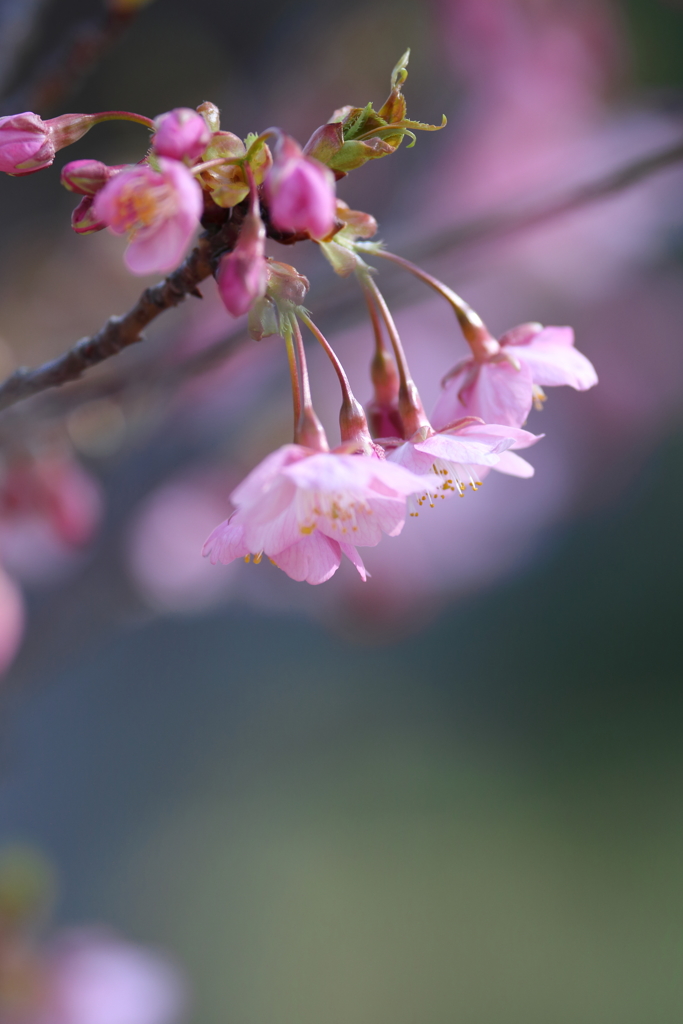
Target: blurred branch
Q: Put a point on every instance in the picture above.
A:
(497, 225)
(61, 73)
(17, 24)
(121, 332)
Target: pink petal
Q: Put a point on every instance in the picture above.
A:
(489, 431)
(499, 394)
(252, 488)
(312, 559)
(553, 360)
(161, 248)
(225, 543)
(459, 449)
(514, 465)
(353, 556)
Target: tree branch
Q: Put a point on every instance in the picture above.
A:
(122, 331)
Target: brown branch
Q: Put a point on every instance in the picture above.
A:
(60, 74)
(122, 331)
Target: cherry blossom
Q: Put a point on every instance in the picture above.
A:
(181, 134)
(500, 385)
(300, 191)
(158, 210)
(296, 495)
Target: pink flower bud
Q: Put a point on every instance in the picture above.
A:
(243, 274)
(180, 134)
(25, 140)
(286, 286)
(87, 177)
(300, 192)
(83, 219)
(28, 144)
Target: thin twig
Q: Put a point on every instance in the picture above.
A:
(121, 331)
(60, 74)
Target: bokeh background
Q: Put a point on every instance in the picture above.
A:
(454, 793)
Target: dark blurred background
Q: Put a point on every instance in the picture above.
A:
(457, 793)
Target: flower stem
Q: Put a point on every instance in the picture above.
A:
(352, 421)
(309, 430)
(293, 371)
(476, 334)
(409, 402)
(123, 115)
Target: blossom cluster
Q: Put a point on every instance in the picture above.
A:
(307, 504)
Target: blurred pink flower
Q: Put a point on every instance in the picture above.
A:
(300, 191)
(11, 620)
(96, 978)
(501, 388)
(158, 211)
(87, 177)
(181, 133)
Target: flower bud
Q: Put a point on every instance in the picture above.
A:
(242, 275)
(181, 133)
(28, 144)
(83, 219)
(263, 319)
(87, 177)
(300, 192)
(286, 286)
(25, 144)
(228, 182)
(211, 114)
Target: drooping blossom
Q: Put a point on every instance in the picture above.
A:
(500, 385)
(300, 191)
(298, 501)
(159, 211)
(181, 134)
(93, 977)
(242, 275)
(448, 461)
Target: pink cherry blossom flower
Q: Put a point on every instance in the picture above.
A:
(296, 500)
(500, 387)
(159, 211)
(300, 191)
(181, 133)
(242, 275)
(96, 978)
(449, 460)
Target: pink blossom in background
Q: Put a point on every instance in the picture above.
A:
(49, 507)
(25, 138)
(181, 133)
(96, 978)
(159, 211)
(12, 615)
(500, 389)
(300, 192)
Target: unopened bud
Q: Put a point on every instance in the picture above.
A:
(242, 275)
(211, 115)
(263, 319)
(83, 219)
(300, 191)
(286, 286)
(181, 134)
(87, 177)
